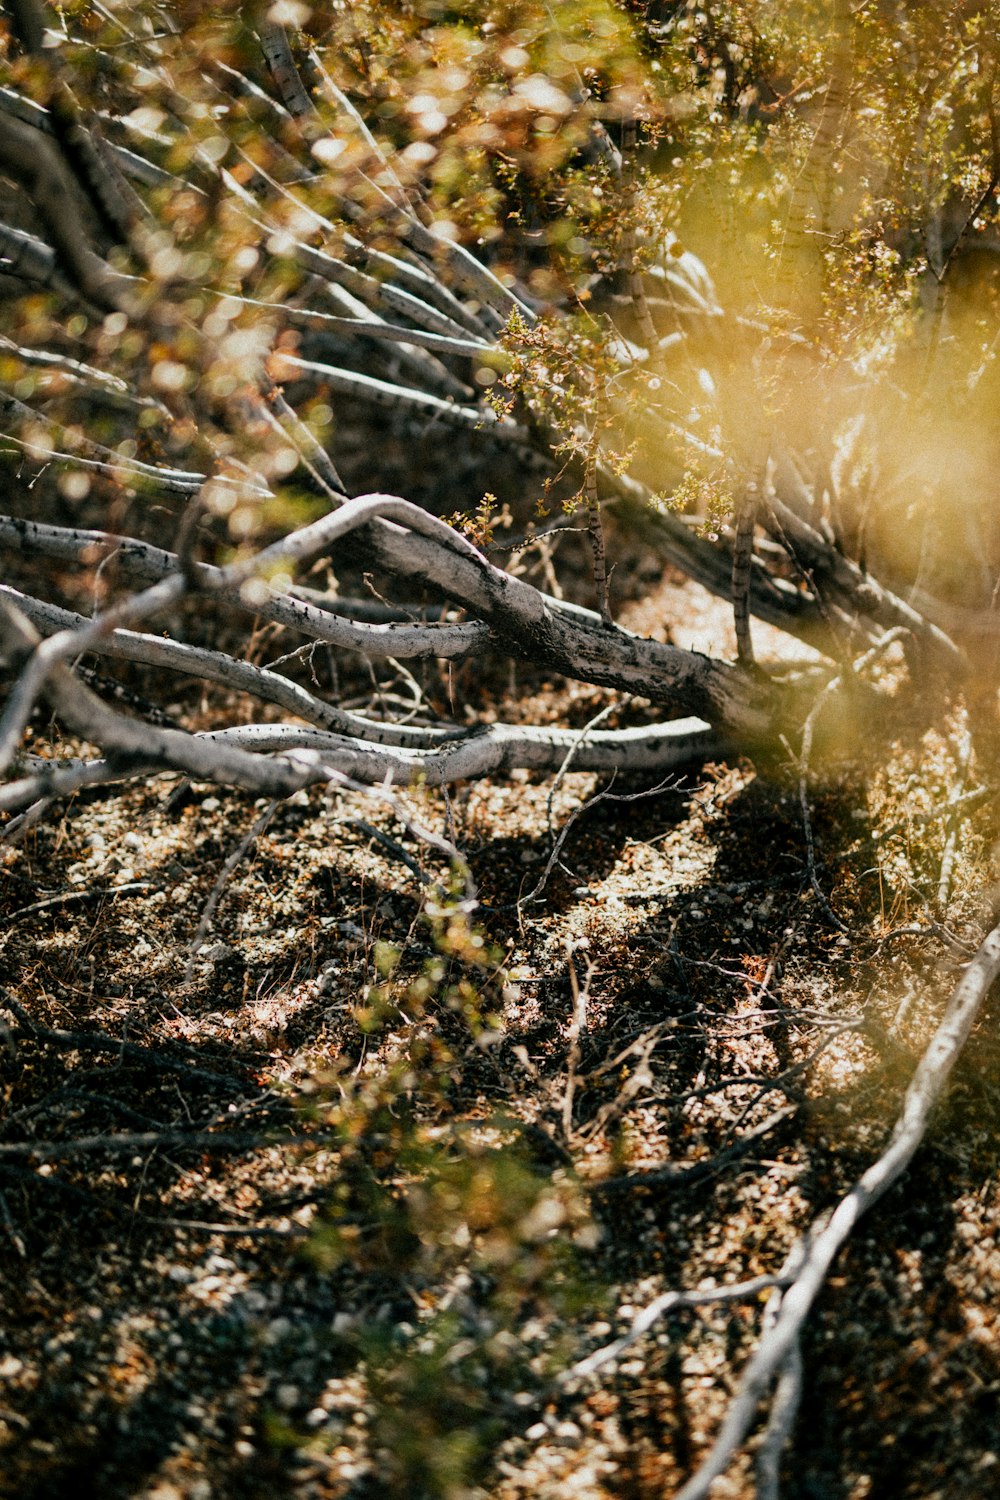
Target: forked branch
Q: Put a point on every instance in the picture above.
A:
(819, 1246)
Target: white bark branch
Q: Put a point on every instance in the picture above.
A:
(213, 666)
(521, 620)
(399, 640)
(371, 761)
(822, 1243)
(650, 1315)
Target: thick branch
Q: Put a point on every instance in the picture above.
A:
(35, 161)
(522, 620)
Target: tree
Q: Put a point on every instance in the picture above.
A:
(227, 234)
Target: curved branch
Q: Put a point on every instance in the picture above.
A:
(399, 640)
(374, 761)
(215, 666)
(564, 639)
(497, 747)
(519, 618)
(821, 1244)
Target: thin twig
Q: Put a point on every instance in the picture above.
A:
(963, 759)
(672, 1175)
(808, 729)
(596, 530)
(116, 1144)
(155, 1057)
(78, 898)
(667, 1302)
(393, 847)
(224, 876)
(577, 1025)
(567, 828)
(11, 1227)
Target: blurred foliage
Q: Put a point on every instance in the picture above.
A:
(835, 166)
(456, 1222)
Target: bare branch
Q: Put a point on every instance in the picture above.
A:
(278, 53)
(521, 619)
(35, 161)
(660, 1307)
(467, 755)
(400, 640)
(819, 1247)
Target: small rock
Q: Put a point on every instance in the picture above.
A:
(568, 1434)
(217, 953)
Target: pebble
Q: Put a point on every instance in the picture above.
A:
(216, 954)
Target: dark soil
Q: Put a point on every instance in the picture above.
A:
(174, 1320)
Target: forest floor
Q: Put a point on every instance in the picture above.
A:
(298, 1212)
